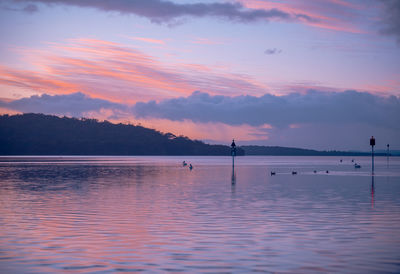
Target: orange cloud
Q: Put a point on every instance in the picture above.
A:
(118, 73)
(32, 80)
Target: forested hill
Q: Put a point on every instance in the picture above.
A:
(39, 134)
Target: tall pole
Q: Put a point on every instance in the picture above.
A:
(233, 153)
(372, 144)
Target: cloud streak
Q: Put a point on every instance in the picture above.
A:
(391, 20)
(149, 40)
(272, 51)
(29, 8)
(334, 15)
(161, 11)
(114, 71)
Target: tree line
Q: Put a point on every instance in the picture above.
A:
(39, 134)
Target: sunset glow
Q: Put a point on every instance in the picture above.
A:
(131, 54)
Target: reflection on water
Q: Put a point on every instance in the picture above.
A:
(233, 177)
(93, 214)
(372, 190)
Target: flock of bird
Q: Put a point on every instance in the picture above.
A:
(327, 171)
(185, 164)
(274, 173)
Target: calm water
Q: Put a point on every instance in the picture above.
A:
(106, 214)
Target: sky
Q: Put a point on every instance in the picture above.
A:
(320, 74)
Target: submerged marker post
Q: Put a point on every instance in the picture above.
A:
(372, 144)
(233, 153)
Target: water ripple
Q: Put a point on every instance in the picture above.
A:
(150, 214)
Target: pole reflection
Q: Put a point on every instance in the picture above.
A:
(233, 177)
(372, 191)
(233, 182)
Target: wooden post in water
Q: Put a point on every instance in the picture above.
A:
(372, 144)
(233, 153)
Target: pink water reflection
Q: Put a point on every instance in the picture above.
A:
(124, 214)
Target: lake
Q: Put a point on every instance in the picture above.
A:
(129, 214)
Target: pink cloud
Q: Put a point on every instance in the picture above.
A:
(149, 40)
(32, 80)
(390, 86)
(217, 132)
(112, 71)
(205, 41)
(334, 15)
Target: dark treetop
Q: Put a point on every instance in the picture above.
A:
(39, 134)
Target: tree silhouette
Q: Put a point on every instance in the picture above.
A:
(39, 134)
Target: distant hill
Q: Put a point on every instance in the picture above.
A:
(289, 151)
(39, 134)
(391, 152)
